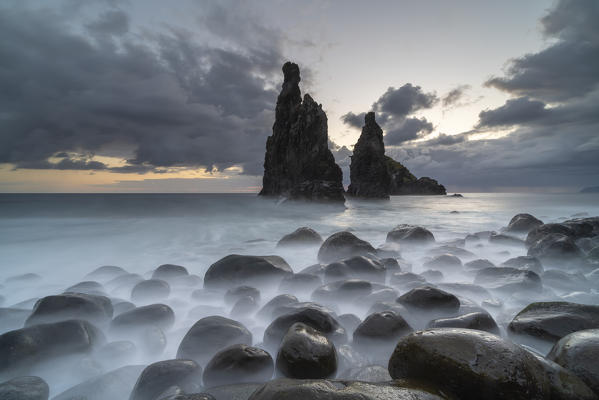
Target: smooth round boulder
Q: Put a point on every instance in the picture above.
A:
(88, 287)
(314, 317)
(525, 262)
(506, 240)
(349, 321)
(579, 352)
(169, 271)
(277, 301)
(24, 388)
(156, 378)
(237, 270)
(444, 262)
(342, 245)
(106, 272)
(210, 335)
(556, 249)
(368, 373)
(245, 307)
(481, 321)
(541, 231)
(159, 315)
(22, 349)
(410, 234)
(150, 290)
(358, 267)
(306, 353)
(477, 264)
(429, 298)
(95, 309)
(523, 223)
(303, 236)
(234, 294)
(342, 291)
(377, 335)
(505, 279)
(238, 363)
(472, 365)
(551, 321)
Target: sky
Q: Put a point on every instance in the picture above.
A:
(154, 96)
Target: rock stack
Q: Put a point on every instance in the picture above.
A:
(298, 163)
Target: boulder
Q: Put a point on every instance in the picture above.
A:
(508, 279)
(525, 262)
(95, 309)
(523, 223)
(342, 245)
(156, 378)
(191, 396)
(312, 316)
(423, 186)
(407, 280)
(578, 352)
(236, 270)
(349, 321)
(169, 271)
(444, 262)
(12, 318)
(477, 264)
(116, 384)
(239, 391)
(210, 335)
(245, 307)
(238, 364)
(139, 318)
(303, 236)
(368, 373)
(470, 364)
(377, 335)
(23, 349)
(410, 234)
(298, 163)
(540, 231)
(480, 321)
(106, 272)
(369, 175)
(306, 353)
(506, 240)
(277, 301)
(24, 388)
(429, 298)
(359, 267)
(550, 321)
(234, 294)
(555, 249)
(300, 282)
(87, 287)
(150, 290)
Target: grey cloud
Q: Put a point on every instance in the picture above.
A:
(454, 95)
(514, 111)
(353, 120)
(111, 22)
(408, 129)
(398, 103)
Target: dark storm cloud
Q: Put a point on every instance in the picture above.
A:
(514, 111)
(171, 100)
(565, 70)
(454, 95)
(393, 110)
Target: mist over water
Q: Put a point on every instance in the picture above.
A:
(62, 238)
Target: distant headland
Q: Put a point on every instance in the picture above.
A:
(299, 165)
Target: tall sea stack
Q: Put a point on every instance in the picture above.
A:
(369, 174)
(298, 163)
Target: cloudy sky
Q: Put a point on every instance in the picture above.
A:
(154, 96)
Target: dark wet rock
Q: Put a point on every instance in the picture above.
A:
(565, 281)
(551, 321)
(470, 364)
(429, 298)
(236, 270)
(407, 280)
(453, 251)
(523, 223)
(377, 335)
(547, 229)
(342, 245)
(410, 234)
(342, 291)
(423, 186)
(349, 321)
(298, 163)
(578, 352)
(306, 353)
(189, 396)
(477, 264)
(368, 373)
(506, 240)
(150, 290)
(508, 279)
(244, 307)
(210, 335)
(316, 317)
(444, 262)
(233, 295)
(24, 388)
(106, 272)
(238, 364)
(382, 294)
(22, 349)
(169, 271)
(300, 282)
(303, 236)
(369, 175)
(388, 251)
(525, 262)
(388, 306)
(240, 391)
(116, 384)
(278, 301)
(593, 254)
(391, 264)
(121, 307)
(116, 353)
(95, 309)
(87, 287)
(159, 315)
(12, 318)
(294, 389)
(24, 278)
(299, 306)
(478, 320)
(355, 267)
(555, 248)
(161, 375)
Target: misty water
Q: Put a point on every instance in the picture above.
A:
(64, 237)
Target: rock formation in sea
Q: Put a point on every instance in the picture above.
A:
(298, 163)
(375, 175)
(369, 174)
